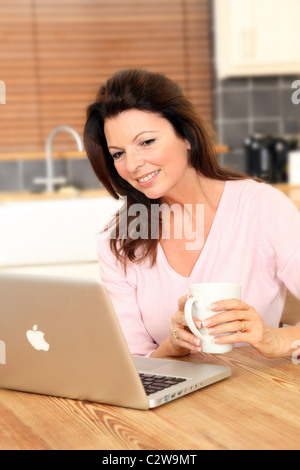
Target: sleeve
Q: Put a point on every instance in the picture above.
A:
(281, 224)
(122, 289)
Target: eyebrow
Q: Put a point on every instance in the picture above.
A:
(133, 140)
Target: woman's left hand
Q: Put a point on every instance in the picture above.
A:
(244, 324)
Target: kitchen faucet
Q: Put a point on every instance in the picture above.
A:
(50, 180)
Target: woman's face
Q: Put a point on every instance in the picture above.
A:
(147, 152)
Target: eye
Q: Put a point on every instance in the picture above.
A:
(148, 142)
(117, 155)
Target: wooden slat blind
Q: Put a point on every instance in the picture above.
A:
(54, 54)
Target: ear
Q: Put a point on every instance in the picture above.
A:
(188, 144)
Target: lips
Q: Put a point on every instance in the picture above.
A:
(147, 177)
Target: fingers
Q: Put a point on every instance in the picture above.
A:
(185, 339)
(234, 310)
(234, 321)
(179, 316)
(181, 302)
(225, 328)
(180, 334)
(238, 323)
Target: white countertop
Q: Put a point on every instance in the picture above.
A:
(78, 270)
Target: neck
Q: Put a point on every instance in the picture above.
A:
(196, 190)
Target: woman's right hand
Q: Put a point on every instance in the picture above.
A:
(182, 340)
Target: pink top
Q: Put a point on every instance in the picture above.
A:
(254, 240)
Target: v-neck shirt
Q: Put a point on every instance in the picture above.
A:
(210, 236)
(254, 240)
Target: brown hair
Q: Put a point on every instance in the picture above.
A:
(148, 91)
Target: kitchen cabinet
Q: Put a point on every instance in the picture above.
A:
(257, 37)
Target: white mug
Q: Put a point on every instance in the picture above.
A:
(197, 306)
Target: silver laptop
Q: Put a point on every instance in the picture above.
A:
(61, 337)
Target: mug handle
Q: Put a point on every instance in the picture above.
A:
(189, 319)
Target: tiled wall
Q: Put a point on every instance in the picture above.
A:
(19, 175)
(244, 106)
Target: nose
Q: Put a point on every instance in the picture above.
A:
(134, 160)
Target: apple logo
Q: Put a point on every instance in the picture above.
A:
(37, 340)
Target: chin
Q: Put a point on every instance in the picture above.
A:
(152, 193)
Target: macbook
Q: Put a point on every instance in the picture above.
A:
(61, 337)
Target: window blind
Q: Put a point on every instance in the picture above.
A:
(54, 55)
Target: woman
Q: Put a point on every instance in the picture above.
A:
(147, 144)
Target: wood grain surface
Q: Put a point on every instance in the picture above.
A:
(257, 408)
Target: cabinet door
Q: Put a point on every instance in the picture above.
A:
(277, 32)
(256, 37)
(242, 45)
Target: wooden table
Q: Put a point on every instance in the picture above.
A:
(257, 408)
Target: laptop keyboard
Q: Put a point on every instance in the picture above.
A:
(156, 383)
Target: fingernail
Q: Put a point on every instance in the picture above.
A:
(206, 322)
(213, 306)
(198, 324)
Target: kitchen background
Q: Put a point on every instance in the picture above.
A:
(237, 60)
(54, 55)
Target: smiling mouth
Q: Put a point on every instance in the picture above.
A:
(148, 177)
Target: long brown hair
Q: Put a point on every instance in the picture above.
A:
(147, 91)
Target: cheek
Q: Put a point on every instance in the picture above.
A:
(121, 170)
